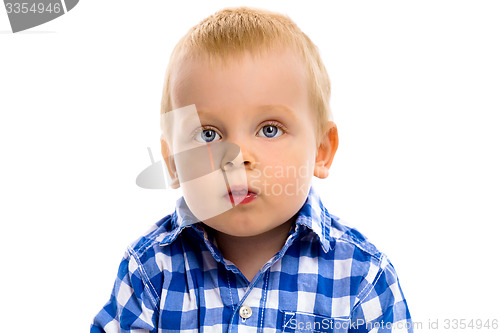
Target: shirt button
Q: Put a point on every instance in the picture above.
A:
(245, 312)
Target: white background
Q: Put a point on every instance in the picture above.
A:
(416, 88)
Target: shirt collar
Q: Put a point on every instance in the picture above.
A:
(312, 215)
(181, 219)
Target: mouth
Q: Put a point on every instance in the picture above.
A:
(240, 195)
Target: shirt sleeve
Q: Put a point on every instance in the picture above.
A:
(382, 307)
(132, 306)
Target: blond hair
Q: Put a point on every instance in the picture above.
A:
(232, 31)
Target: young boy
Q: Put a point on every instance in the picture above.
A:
(250, 247)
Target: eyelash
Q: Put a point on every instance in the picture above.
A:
(268, 123)
(274, 123)
(204, 128)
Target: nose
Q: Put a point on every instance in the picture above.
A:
(226, 166)
(236, 156)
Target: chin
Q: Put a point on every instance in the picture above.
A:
(242, 231)
(235, 228)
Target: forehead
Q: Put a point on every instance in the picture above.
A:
(275, 77)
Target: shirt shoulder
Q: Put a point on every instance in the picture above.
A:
(341, 233)
(150, 256)
(135, 300)
(370, 268)
(153, 236)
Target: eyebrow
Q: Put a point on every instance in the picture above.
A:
(278, 107)
(189, 120)
(202, 112)
(261, 108)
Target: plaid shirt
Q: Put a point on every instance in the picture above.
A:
(326, 278)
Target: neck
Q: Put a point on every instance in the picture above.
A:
(250, 253)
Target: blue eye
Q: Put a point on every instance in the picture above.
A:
(207, 135)
(270, 131)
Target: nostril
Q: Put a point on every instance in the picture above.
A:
(231, 165)
(249, 164)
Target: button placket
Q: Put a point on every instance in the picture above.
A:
(245, 312)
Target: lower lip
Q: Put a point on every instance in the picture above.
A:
(240, 200)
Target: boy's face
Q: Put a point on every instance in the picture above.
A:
(260, 104)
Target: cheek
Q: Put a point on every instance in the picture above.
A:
(301, 161)
(292, 165)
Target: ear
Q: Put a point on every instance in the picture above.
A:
(326, 151)
(169, 161)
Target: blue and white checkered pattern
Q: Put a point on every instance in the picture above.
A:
(326, 278)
